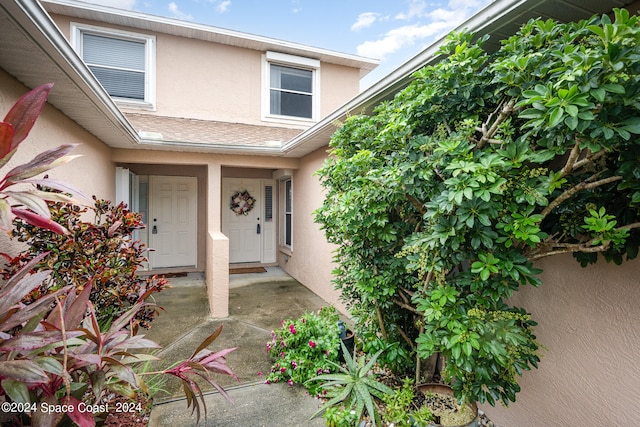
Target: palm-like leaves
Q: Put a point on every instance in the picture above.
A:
(29, 204)
(355, 384)
(201, 364)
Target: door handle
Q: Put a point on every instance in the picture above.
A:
(258, 229)
(154, 230)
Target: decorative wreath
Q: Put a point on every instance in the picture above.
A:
(242, 202)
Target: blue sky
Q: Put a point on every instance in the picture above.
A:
(392, 31)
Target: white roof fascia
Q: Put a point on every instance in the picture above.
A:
(211, 148)
(365, 64)
(60, 51)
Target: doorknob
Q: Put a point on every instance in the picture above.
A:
(258, 229)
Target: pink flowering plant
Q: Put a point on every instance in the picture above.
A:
(303, 348)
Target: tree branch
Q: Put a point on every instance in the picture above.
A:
(584, 185)
(589, 159)
(406, 306)
(416, 203)
(383, 330)
(505, 112)
(580, 247)
(403, 334)
(571, 161)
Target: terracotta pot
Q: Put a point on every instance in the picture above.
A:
(445, 389)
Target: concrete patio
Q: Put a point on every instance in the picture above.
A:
(257, 304)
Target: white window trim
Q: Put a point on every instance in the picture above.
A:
(285, 213)
(294, 62)
(149, 103)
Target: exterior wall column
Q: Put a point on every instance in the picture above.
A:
(217, 248)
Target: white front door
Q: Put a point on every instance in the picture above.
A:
(244, 231)
(172, 221)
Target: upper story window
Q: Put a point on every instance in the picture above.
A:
(292, 89)
(122, 62)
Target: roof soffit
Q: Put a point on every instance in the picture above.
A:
(175, 27)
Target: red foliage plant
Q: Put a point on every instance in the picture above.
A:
(53, 349)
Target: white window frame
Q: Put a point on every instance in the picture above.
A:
(149, 103)
(291, 61)
(285, 213)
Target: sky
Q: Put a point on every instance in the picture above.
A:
(392, 31)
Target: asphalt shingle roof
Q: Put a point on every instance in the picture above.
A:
(172, 129)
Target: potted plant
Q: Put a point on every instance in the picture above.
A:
(347, 337)
(445, 408)
(403, 409)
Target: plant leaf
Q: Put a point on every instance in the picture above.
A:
(14, 292)
(16, 390)
(81, 418)
(25, 111)
(41, 163)
(6, 136)
(204, 344)
(39, 221)
(23, 370)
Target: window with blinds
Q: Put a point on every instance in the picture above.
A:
(120, 61)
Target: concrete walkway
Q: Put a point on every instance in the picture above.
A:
(257, 304)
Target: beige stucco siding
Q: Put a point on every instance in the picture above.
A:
(310, 262)
(209, 81)
(93, 173)
(589, 318)
(337, 84)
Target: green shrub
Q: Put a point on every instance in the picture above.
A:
(443, 198)
(304, 347)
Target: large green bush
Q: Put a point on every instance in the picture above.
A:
(443, 198)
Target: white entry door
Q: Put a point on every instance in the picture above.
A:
(173, 221)
(244, 231)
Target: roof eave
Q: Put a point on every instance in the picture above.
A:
(72, 77)
(198, 147)
(205, 32)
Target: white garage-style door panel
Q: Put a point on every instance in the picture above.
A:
(251, 236)
(173, 221)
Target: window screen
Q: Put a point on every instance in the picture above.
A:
(118, 64)
(291, 91)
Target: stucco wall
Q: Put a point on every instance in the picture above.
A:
(311, 259)
(589, 319)
(92, 174)
(220, 82)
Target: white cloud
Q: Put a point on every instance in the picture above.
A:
(416, 10)
(119, 4)
(223, 6)
(178, 14)
(365, 20)
(399, 38)
(429, 26)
